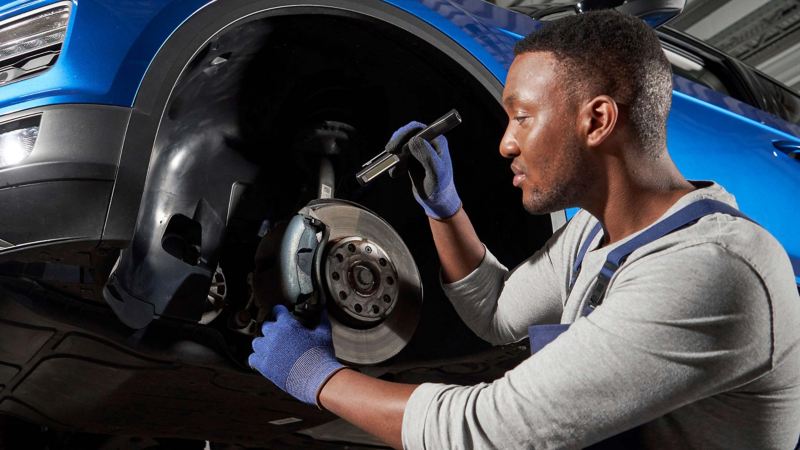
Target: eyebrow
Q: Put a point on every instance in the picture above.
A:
(510, 100)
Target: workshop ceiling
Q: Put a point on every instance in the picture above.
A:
(763, 33)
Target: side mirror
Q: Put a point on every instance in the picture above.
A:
(654, 12)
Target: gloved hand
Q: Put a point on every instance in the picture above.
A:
(296, 359)
(431, 172)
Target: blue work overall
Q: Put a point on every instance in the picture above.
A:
(541, 335)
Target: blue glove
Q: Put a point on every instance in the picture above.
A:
(432, 174)
(296, 359)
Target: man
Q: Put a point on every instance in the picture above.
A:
(692, 341)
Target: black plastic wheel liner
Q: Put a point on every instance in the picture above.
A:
(151, 101)
(168, 267)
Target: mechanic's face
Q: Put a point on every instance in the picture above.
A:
(549, 161)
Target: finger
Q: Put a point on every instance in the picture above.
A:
(280, 313)
(422, 151)
(408, 128)
(269, 330)
(422, 163)
(285, 317)
(266, 328)
(399, 169)
(258, 345)
(254, 361)
(403, 133)
(440, 144)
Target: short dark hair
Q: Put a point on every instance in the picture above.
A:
(607, 52)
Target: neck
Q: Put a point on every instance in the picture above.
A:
(636, 192)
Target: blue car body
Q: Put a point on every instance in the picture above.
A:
(110, 46)
(110, 170)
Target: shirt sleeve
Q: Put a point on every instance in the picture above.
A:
(668, 333)
(498, 305)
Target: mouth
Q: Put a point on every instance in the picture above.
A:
(519, 175)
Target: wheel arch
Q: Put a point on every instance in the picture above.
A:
(198, 30)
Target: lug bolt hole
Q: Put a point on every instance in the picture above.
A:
(351, 248)
(339, 257)
(335, 276)
(342, 295)
(375, 309)
(390, 280)
(358, 308)
(382, 262)
(387, 299)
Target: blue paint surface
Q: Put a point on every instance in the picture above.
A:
(111, 43)
(709, 142)
(108, 46)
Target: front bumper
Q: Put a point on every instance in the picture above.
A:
(61, 192)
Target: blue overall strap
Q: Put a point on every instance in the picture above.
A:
(541, 335)
(679, 219)
(576, 267)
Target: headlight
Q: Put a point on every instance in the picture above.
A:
(17, 140)
(31, 42)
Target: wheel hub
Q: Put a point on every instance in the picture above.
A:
(362, 280)
(371, 283)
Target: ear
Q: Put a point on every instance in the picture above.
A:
(597, 119)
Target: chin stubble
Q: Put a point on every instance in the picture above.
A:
(567, 190)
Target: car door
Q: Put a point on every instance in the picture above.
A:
(713, 135)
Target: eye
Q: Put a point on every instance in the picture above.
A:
(521, 119)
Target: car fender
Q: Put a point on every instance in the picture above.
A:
(161, 183)
(479, 36)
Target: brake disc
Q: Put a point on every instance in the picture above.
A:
(372, 286)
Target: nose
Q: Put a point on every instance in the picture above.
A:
(508, 144)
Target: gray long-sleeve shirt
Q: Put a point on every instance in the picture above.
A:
(697, 341)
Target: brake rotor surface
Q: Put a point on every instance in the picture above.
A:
(373, 287)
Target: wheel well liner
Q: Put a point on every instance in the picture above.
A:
(164, 73)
